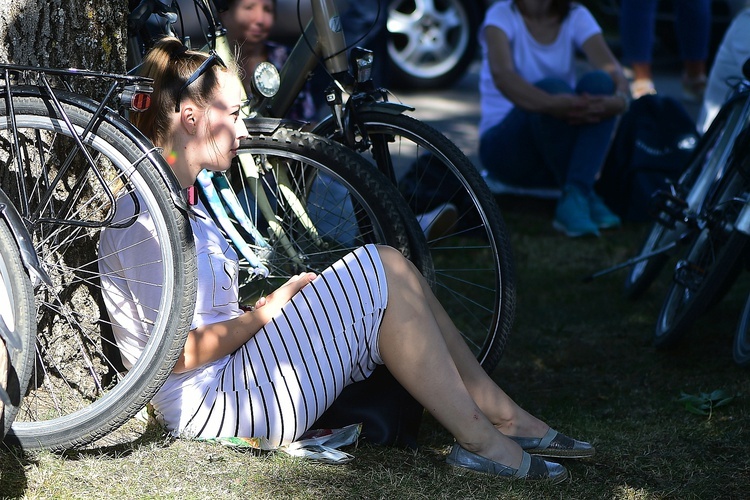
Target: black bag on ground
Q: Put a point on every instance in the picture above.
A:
(652, 146)
(389, 415)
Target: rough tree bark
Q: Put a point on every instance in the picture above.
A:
(85, 34)
(88, 34)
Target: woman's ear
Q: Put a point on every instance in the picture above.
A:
(188, 119)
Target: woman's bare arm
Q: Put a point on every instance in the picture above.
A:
(210, 342)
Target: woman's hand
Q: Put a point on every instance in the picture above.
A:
(586, 108)
(571, 108)
(267, 307)
(605, 106)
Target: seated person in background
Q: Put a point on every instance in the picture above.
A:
(272, 370)
(540, 127)
(726, 70)
(248, 24)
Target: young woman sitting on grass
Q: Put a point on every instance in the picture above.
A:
(271, 372)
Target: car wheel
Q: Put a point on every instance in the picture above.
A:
(431, 42)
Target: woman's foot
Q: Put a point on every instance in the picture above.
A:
(530, 469)
(601, 215)
(538, 438)
(641, 87)
(572, 214)
(556, 445)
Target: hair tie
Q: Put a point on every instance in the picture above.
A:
(179, 51)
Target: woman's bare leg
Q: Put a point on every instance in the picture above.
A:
(412, 347)
(500, 409)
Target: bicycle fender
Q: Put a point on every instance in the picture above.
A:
(387, 107)
(23, 239)
(144, 144)
(267, 125)
(392, 108)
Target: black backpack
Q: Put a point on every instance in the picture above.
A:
(652, 146)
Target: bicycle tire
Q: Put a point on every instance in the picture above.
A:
(348, 203)
(18, 313)
(709, 265)
(473, 261)
(671, 228)
(80, 391)
(741, 340)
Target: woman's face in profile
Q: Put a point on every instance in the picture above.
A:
(220, 127)
(249, 21)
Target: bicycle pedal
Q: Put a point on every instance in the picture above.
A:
(666, 208)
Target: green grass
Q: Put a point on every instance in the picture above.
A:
(579, 356)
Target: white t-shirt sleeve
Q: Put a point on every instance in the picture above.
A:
(132, 275)
(582, 25)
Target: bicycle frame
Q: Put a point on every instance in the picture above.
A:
(26, 249)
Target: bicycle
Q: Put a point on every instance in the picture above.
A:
(65, 162)
(715, 258)
(472, 261)
(717, 250)
(676, 210)
(18, 264)
(704, 215)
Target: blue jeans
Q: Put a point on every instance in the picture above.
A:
(537, 150)
(692, 26)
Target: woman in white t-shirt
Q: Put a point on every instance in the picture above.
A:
(270, 372)
(542, 126)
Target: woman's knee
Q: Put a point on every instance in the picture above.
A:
(596, 83)
(399, 271)
(393, 260)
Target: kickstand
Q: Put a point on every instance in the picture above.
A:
(630, 262)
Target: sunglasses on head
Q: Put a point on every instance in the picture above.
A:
(212, 60)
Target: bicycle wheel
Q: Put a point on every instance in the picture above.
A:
(67, 194)
(741, 341)
(710, 156)
(472, 258)
(709, 265)
(18, 317)
(325, 202)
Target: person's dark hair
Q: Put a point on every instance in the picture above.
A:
(170, 65)
(560, 8)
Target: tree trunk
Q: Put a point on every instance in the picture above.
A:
(86, 34)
